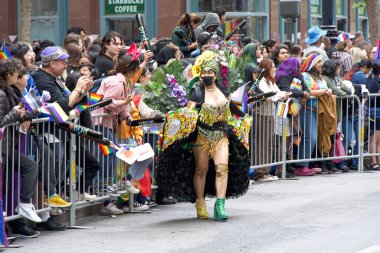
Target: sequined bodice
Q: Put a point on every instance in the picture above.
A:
(209, 114)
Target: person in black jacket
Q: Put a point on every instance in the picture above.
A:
(53, 65)
(28, 168)
(373, 86)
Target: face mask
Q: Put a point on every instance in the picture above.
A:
(207, 80)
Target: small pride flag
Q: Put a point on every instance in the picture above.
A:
(106, 150)
(4, 52)
(295, 107)
(30, 101)
(296, 84)
(280, 109)
(57, 112)
(81, 108)
(93, 98)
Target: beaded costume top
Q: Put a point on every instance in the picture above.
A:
(210, 114)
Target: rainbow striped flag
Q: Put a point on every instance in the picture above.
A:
(81, 108)
(4, 52)
(106, 150)
(280, 109)
(295, 107)
(230, 25)
(57, 112)
(93, 98)
(296, 84)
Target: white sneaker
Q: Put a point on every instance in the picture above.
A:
(266, 178)
(55, 211)
(136, 207)
(27, 211)
(89, 197)
(110, 209)
(129, 187)
(274, 178)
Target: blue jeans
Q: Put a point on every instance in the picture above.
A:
(308, 122)
(350, 127)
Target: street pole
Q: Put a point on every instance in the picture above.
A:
(328, 20)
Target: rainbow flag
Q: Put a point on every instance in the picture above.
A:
(81, 108)
(30, 101)
(296, 84)
(280, 109)
(377, 53)
(93, 98)
(295, 107)
(230, 25)
(4, 52)
(57, 112)
(106, 150)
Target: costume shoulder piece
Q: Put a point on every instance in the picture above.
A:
(179, 125)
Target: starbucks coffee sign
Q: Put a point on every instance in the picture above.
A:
(119, 7)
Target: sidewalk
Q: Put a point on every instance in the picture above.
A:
(332, 213)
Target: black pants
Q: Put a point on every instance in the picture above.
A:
(88, 163)
(28, 172)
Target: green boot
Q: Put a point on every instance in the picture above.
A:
(219, 213)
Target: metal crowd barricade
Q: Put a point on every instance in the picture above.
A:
(371, 133)
(46, 146)
(277, 142)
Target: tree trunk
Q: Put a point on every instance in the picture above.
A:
(373, 10)
(26, 14)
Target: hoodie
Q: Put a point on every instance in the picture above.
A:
(210, 19)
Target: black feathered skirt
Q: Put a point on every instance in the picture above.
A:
(176, 163)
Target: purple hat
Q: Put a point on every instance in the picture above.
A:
(53, 53)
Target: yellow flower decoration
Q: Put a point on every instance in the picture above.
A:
(196, 69)
(208, 55)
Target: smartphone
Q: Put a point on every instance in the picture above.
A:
(93, 74)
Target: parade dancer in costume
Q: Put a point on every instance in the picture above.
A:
(188, 174)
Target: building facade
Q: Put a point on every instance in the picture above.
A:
(52, 18)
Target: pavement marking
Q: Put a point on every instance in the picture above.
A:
(372, 249)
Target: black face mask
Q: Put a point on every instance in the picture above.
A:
(207, 80)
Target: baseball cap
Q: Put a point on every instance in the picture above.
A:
(313, 35)
(53, 54)
(344, 36)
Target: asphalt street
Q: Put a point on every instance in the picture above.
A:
(330, 213)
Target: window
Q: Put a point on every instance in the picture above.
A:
(44, 20)
(362, 22)
(316, 13)
(254, 11)
(341, 15)
(124, 27)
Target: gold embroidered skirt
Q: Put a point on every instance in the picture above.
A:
(210, 140)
